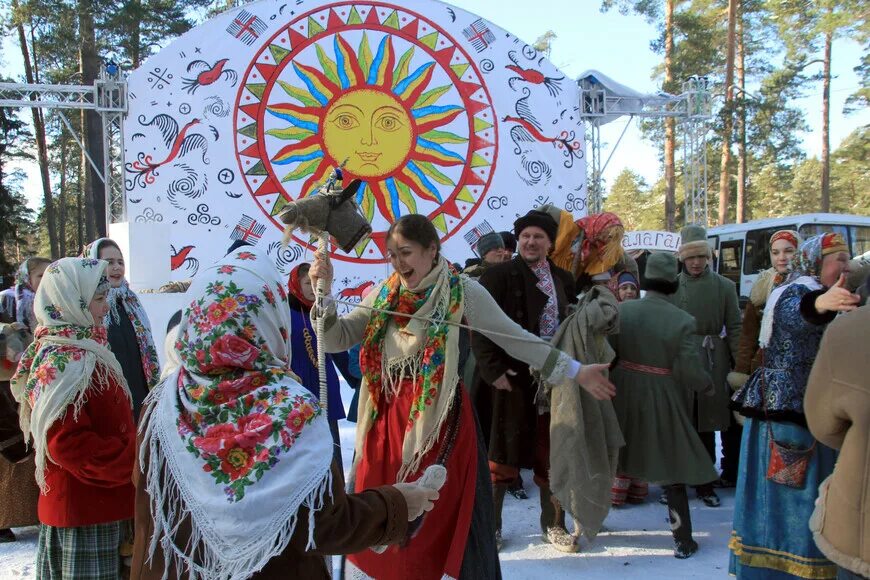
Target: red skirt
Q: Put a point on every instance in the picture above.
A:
(436, 549)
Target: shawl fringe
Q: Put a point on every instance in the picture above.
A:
(202, 556)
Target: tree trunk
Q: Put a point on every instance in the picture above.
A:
(742, 201)
(670, 123)
(80, 208)
(41, 149)
(92, 127)
(727, 115)
(62, 217)
(826, 125)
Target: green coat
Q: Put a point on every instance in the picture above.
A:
(712, 300)
(661, 444)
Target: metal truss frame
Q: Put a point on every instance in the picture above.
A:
(108, 97)
(693, 111)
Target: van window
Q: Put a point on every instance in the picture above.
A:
(714, 246)
(730, 254)
(757, 257)
(809, 230)
(860, 240)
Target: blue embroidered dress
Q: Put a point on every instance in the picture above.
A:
(771, 538)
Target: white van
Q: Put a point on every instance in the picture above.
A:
(741, 250)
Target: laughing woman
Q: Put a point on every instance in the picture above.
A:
(413, 411)
(129, 330)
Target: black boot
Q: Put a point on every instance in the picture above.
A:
(6, 536)
(681, 521)
(553, 524)
(498, 492)
(515, 488)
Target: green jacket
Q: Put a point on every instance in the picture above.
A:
(661, 444)
(712, 300)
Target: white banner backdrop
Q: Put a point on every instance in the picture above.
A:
(438, 111)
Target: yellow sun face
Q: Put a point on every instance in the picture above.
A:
(369, 128)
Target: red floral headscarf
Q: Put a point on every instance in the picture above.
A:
(601, 245)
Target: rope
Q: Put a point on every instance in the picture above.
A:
(322, 251)
(483, 331)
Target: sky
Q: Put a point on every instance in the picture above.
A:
(614, 44)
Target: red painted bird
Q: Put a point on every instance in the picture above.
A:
(180, 257)
(210, 75)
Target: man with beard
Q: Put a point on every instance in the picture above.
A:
(535, 294)
(712, 300)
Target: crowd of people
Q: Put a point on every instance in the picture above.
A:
(550, 352)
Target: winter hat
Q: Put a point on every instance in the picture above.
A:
(538, 219)
(693, 239)
(489, 242)
(833, 243)
(661, 266)
(510, 241)
(626, 278)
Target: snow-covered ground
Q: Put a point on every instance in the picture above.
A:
(636, 543)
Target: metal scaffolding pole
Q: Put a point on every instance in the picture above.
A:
(107, 96)
(692, 109)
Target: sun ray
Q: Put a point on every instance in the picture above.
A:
(409, 88)
(302, 96)
(394, 195)
(329, 67)
(437, 154)
(407, 197)
(318, 85)
(381, 72)
(401, 70)
(435, 116)
(348, 68)
(290, 133)
(304, 169)
(366, 202)
(364, 55)
(295, 153)
(414, 177)
(385, 204)
(318, 176)
(433, 172)
(294, 118)
(431, 97)
(444, 137)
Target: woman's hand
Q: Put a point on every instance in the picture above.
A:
(591, 378)
(321, 269)
(419, 499)
(837, 298)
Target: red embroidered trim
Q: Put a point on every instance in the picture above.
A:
(644, 368)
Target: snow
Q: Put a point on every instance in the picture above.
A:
(636, 543)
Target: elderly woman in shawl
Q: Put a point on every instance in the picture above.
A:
(781, 464)
(129, 329)
(413, 412)
(76, 406)
(236, 477)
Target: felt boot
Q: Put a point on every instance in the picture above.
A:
(553, 524)
(681, 521)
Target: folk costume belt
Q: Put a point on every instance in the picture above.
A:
(647, 369)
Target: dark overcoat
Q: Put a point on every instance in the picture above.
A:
(508, 418)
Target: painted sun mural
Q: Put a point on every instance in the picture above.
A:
(434, 109)
(390, 97)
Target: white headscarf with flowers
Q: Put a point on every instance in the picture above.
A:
(234, 444)
(57, 369)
